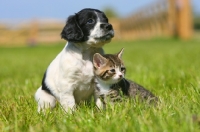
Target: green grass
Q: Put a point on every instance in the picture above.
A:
(168, 68)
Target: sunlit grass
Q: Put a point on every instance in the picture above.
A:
(168, 68)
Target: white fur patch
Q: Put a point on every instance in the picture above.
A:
(44, 100)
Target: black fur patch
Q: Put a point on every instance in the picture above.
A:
(44, 86)
(72, 31)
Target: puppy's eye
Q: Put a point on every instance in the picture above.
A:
(112, 70)
(90, 21)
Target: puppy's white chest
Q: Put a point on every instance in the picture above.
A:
(86, 74)
(84, 88)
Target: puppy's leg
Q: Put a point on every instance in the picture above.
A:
(68, 102)
(45, 100)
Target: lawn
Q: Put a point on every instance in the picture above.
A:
(168, 68)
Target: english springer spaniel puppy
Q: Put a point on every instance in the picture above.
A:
(69, 77)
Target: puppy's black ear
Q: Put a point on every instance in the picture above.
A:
(72, 31)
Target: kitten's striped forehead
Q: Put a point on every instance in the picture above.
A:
(113, 59)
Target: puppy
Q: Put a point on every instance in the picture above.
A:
(69, 77)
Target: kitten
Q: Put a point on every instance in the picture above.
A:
(109, 71)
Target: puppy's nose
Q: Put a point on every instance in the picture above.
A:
(106, 26)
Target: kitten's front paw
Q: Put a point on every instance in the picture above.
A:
(100, 102)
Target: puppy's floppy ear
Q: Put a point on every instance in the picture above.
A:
(72, 31)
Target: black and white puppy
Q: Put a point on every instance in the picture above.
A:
(68, 78)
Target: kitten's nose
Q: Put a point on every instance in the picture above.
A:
(120, 76)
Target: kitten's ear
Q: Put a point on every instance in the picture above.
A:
(119, 55)
(72, 31)
(99, 60)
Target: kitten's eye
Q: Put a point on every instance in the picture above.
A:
(112, 70)
(90, 21)
(123, 69)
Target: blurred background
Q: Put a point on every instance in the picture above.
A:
(28, 22)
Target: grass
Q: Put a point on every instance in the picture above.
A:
(168, 68)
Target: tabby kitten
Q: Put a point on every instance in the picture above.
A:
(109, 70)
(109, 73)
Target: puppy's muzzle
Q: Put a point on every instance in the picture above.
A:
(108, 31)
